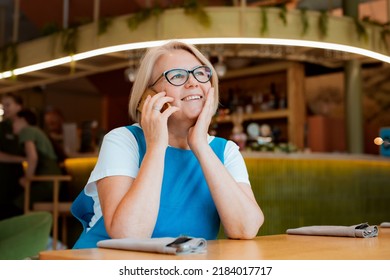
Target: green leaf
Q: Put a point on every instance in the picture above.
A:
(103, 25)
(305, 21)
(323, 24)
(191, 7)
(361, 30)
(283, 14)
(196, 10)
(50, 28)
(264, 21)
(385, 33)
(8, 57)
(135, 20)
(69, 40)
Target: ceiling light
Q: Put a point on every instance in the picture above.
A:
(220, 67)
(198, 41)
(131, 74)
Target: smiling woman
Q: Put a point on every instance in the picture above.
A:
(175, 63)
(165, 176)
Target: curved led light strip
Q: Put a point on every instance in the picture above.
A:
(197, 41)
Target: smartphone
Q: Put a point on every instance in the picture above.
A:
(180, 244)
(150, 92)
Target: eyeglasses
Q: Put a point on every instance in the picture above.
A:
(178, 77)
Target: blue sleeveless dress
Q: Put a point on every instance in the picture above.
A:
(186, 205)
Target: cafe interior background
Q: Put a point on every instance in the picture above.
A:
(301, 82)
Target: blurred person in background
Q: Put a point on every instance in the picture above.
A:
(53, 126)
(11, 169)
(39, 154)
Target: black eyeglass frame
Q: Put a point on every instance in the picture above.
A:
(165, 73)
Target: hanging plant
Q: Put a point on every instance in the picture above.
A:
(385, 33)
(283, 14)
(8, 57)
(196, 10)
(191, 8)
(103, 25)
(50, 28)
(69, 44)
(305, 22)
(135, 20)
(361, 30)
(264, 21)
(323, 24)
(69, 40)
(368, 20)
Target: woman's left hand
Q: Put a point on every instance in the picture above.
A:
(197, 135)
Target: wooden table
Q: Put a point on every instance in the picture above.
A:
(272, 247)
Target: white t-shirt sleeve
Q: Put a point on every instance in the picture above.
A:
(118, 155)
(235, 164)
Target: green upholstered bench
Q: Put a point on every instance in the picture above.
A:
(24, 236)
(299, 190)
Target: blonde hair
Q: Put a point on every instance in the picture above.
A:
(147, 64)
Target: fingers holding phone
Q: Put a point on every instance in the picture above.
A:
(154, 117)
(150, 92)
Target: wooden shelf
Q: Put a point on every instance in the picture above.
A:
(272, 114)
(287, 77)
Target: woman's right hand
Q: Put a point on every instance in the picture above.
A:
(154, 123)
(131, 208)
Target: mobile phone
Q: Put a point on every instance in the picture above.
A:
(180, 243)
(150, 92)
